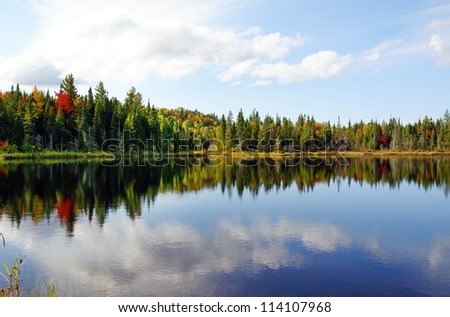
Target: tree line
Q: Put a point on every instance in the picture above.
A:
(67, 120)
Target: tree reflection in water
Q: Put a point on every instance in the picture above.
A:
(69, 189)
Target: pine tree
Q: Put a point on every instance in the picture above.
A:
(240, 127)
(155, 130)
(267, 134)
(230, 131)
(223, 129)
(444, 135)
(254, 125)
(68, 85)
(100, 112)
(60, 133)
(28, 126)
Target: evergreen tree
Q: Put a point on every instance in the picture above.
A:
(254, 125)
(28, 126)
(267, 134)
(100, 112)
(240, 127)
(155, 130)
(230, 131)
(223, 129)
(68, 85)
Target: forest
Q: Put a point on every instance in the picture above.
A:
(68, 121)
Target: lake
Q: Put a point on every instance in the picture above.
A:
(354, 227)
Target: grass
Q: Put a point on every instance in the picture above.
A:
(379, 153)
(277, 154)
(282, 156)
(14, 283)
(75, 155)
(12, 277)
(53, 155)
(13, 280)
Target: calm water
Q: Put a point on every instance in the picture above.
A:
(377, 227)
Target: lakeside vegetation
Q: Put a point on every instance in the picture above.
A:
(14, 283)
(67, 125)
(51, 154)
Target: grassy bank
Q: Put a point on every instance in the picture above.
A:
(252, 155)
(380, 153)
(73, 155)
(53, 155)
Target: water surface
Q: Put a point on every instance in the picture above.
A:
(374, 227)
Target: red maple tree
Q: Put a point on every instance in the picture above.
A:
(63, 102)
(383, 137)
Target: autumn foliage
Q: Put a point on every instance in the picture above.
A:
(70, 121)
(63, 102)
(383, 138)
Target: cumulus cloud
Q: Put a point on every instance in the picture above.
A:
(323, 64)
(29, 69)
(274, 45)
(237, 70)
(167, 39)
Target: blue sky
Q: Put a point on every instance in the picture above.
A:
(353, 59)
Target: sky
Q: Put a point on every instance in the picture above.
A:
(356, 60)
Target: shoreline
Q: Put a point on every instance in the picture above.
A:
(46, 155)
(72, 155)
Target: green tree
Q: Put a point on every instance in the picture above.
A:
(68, 85)
(230, 131)
(101, 113)
(266, 141)
(223, 129)
(240, 127)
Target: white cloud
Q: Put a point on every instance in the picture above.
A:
(168, 39)
(374, 53)
(274, 45)
(440, 46)
(323, 64)
(439, 43)
(29, 70)
(237, 70)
